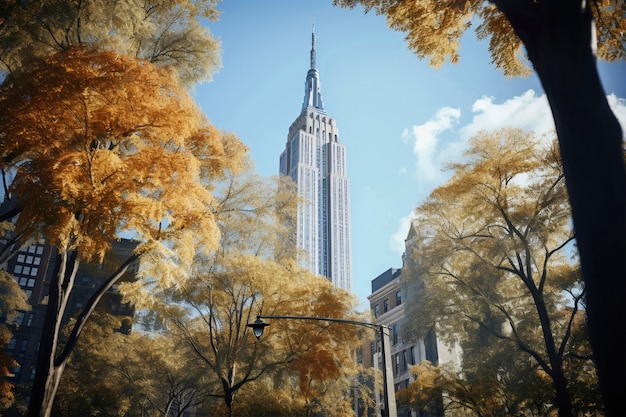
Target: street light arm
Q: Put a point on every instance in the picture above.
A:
(357, 323)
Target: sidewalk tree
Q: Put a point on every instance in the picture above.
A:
(494, 253)
(96, 144)
(561, 39)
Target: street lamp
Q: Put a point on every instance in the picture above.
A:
(389, 398)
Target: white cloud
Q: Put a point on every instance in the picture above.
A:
(396, 241)
(618, 105)
(527, 111)
(427, 147)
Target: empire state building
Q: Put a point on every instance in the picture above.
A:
(316, 161)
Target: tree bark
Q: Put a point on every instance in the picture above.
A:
(48, 374)
(559, 37)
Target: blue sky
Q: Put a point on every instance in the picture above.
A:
(400, 119)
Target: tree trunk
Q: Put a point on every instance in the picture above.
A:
(48, 373)
(559, 35)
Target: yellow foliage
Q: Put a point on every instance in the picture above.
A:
(434, 28)
(102, 144)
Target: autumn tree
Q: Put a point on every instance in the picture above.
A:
(95, 144)
(562, 39)
(12, 301)
(136, 374)
(494, 252)
(166, 33)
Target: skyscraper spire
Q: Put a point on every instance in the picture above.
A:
(312, 90)
(313, 47)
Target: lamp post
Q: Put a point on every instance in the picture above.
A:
(389, 398)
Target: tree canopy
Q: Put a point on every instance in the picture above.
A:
(434, 29)
(493, 258)
(166, 33)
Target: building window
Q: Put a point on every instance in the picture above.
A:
(31, 317)
(12, 343)
(17, 269)
(385, 306)
(376, 310)
(20, 258)
(395, 334)
(398, 298)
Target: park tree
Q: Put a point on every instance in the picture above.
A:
(96, 144)
(12, 301)
(494, 256)
(137, 374)
(166, 33)
(562, 39)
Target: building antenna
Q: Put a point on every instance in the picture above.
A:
(313, 46)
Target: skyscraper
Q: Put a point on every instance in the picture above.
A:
(316, 161)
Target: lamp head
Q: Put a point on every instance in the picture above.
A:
(258, 326)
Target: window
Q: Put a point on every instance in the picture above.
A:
(12, 343)
(39, 250)
(32, 248)
(394, 328)
(398, 298)
(29, 259)
(31, 317)
(17, 269)
(26, 270)
(24, 345)
(37, 260)
(20, 258)
(376, 310)
(385, 306)
(33, 271)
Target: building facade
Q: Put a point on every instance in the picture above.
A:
(316, 161)
(390, 293)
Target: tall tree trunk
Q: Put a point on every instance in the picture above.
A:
(559, 36)
(48, 373)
